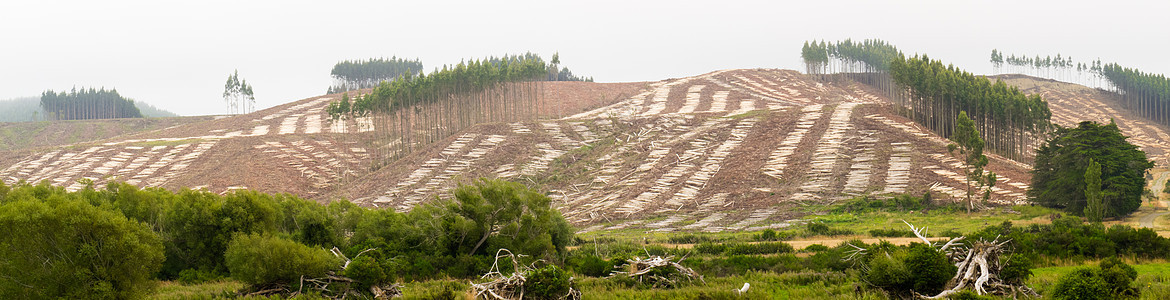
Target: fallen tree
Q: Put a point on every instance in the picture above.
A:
(978, 266)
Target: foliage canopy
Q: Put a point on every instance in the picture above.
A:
(1058, 176)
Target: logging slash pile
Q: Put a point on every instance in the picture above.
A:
(658, 271)
(513, 286)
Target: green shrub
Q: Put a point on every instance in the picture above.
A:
(259, 259)
(591, 266)
(815, 248)
(443, 290)
(57, 246)
(818, 227)
(889, 272)
(744, 248)
(890, 233)
(1119, 277)
(1082, 284)
(1016, 269)
(929, 269)
(896, 203)
(547, 283)
(367, 272)
(767, 235)
(197, 276)
(689, 239)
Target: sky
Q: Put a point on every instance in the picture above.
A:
(178, 55)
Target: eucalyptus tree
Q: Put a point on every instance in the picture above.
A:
(416, 109)
(933, 94)
(238, 94)
(1147, 94)
(1009, 120)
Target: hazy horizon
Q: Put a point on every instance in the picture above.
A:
(176, 56)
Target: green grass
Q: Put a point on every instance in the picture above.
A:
(936, 220)
(208, 290)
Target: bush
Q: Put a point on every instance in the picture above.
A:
(547, 283)
(888, 272)
(591, 266)
(196, 276)
(1082, 284)
(890, 233)
(57, 247)
(689, 239)
(817, 227)
(815, 248)
(896, 203)
(1118, 276)
(366, 271)
(929, 269)
(744, 249)
(1016, 269)
(258, 259)
(767, 235)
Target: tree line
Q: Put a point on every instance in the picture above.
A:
(1010, 121)
(1059, 67)
(1144, 93)
(87, 104)
(933, 94)
(114, 242)
(1147, 94)
(351, 75)
(867, 56)
(417, 109)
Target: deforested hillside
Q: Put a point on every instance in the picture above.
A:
(1072, 103)
(725, 150)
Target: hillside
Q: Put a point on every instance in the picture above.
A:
(35, 135)
(1072, 103)
(725, 150)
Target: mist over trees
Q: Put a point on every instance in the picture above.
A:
(363, 74)
(1144, 93)
(21, 110)
(87, 104)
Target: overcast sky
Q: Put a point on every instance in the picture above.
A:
(177, 56)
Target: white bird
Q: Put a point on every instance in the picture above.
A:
(744, 288)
